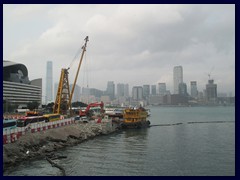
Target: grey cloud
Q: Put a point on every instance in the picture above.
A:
(131, 41)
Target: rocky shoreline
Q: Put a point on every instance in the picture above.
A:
(42, 144)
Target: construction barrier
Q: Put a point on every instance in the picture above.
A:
(12, 135)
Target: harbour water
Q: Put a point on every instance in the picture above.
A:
(187, 149)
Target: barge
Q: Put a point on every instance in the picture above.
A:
(135, 118)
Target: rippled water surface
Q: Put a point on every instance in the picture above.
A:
(179, 150)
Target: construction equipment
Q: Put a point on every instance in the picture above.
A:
(209, 74)
(64, 97)
(86, 112)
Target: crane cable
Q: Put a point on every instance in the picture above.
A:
(76, 55)
(85, 71)
(74, 60)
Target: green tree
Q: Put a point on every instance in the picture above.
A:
(32, 105)
(49, 107)
(79, 104)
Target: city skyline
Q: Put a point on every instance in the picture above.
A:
(190, 89)
(134, 44)
(159, 88)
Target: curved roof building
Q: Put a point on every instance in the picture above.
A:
(15, 72)
(17, 89)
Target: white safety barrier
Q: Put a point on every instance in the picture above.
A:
(10, 136)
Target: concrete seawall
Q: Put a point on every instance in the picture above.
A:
(38, 145)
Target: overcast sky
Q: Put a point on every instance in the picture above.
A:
(134, 44)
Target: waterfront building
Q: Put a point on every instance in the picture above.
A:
(177, 78)
(137, 93)
(168, 92)
(200, 97)
(194, 91)
(49, 82)
(182, 89)
(211, 91)
(153, 90)
(146, 91)
(17, 88)
(178, 99)
(155, 100)
(162, 90)
(110, 90)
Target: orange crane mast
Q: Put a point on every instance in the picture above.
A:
(64, 98)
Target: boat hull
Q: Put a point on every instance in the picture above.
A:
(135, 125)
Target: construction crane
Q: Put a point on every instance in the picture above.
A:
(64, 97)
(209, 74)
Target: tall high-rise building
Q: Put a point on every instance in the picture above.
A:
(162, 88)
(120, 90)
(194, 91)
(110, 89)
(96, 92)
(146, 91)
(182, 89)
(153, 89)
(211, 91)
(126, 90)
(49, 83)
(137, 93)
(177, 78)
(76, 93)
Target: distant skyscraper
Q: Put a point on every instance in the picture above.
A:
(177, 78)
(211, 91)
(76, 94)
(120, 90)
(194, 91)
(49, 83)
(182, 89)
(137, 93)
(146, 91)
(96, 92)
(153, 90)
(111, 89)
(162, 88)
(126, 90)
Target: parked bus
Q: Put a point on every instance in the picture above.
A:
(9, 124)
(51, 117)
(24, 121)
(21, 110)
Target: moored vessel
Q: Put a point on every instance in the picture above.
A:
(135, 118)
